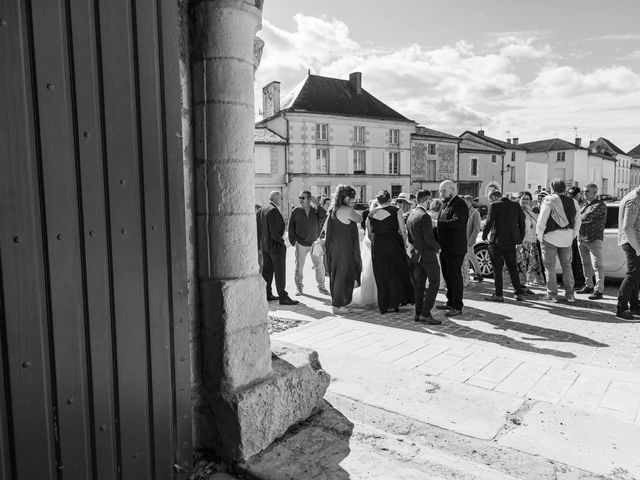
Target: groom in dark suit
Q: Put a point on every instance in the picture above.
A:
(505, 227)
(274, 251)
(424, 259)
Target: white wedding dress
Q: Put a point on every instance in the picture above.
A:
(366, 295)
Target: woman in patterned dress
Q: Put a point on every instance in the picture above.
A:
(530, 268)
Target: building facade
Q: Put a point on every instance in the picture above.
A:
(338, 133)
(622, 177)
(270, 164)
(510, 166)
(634, 169)
(434, 158)
(479, 168)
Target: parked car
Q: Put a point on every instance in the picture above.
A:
(481, 207)
(615, 262)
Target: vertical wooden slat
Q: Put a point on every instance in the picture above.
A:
(170, 41)
(58, 157)
(95, 233)
(152, 150)
(124, 182)
(6, 427)
(22, 255)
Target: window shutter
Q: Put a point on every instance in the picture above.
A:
(313, 161)
(333, 161)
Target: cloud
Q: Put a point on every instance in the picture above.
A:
(509, 81)
(617, 36)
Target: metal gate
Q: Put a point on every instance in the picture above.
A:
(94, 341)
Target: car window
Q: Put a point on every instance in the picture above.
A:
(612, 217)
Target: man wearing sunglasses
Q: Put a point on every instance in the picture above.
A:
(304, 229)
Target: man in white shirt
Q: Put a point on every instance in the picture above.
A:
(558, 224)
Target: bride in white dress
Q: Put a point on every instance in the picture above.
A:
(366, 295)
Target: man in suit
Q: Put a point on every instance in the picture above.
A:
(424, 259)
(506, 227)
(274, 251)
(452, 235)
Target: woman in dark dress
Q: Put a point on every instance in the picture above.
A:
(343, 249)
(388, 235)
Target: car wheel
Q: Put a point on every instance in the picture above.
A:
(482, 254)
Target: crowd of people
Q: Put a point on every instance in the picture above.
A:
(415, 245)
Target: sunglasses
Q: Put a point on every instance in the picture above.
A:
(302, 198)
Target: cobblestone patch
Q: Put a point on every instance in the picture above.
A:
(278, 324)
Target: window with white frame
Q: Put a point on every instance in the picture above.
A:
(474, 167)
(394, 137)
(322, 131)
(513, 156)
(322, 160)
(560, 156)
(394, 163)
(361, 193)
(359, 161)
(324, 191)
(494, 159)
(513, 174)
(396, 190)
(432, 148)
(359, 134)
(430, 170)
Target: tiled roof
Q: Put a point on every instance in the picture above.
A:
(634, 152)
(428, 132)
(550, 145)
(318, 94)
(602, 145)
(264, 135)
(495, 141)
(467, 144)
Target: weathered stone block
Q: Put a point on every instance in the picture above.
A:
(251, 418)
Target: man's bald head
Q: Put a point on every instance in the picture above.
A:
(275, 197)
(447, 190)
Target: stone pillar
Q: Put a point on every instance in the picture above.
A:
(243, 404)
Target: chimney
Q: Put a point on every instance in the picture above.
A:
(355, 81)
(578, 141)
(516, 140)
(591, 142)
(481, 133)
(270, 99)
(508, 140)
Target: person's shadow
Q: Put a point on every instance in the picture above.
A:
(312, 449)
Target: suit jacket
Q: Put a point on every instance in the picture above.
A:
(421, 236)
(452, 226)
(505, 222)
(270, 228)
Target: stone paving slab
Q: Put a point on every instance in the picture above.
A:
(594, 443)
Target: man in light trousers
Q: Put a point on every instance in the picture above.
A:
(594, 217)
(304, 229)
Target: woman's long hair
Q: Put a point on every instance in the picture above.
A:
(342, 193)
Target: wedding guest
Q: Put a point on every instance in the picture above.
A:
(274, 251)
(387, 232)
(452, 228)
(594, 218)
(558, 224)
(629, 239)
(424, 257)
(505, 227)
(528, 252)
(343, 249)
(473, 229)
(576, 262)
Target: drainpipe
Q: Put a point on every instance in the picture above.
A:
(502, 174)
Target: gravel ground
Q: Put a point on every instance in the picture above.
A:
(277, 324)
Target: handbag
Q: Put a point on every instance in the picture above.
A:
(317, 247)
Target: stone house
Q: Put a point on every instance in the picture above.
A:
(622, 176)
(271, 171)
(634, 169)
(338, 133)
(510, 168)
(434, 158)
(479, 168)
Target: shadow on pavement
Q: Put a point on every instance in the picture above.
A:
(313, 449)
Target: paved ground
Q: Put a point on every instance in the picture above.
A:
(503, 373)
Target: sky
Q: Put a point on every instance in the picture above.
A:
(527, 69)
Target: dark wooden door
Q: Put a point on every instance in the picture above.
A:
(94, 342)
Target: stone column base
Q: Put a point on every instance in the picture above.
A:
(245, 422)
